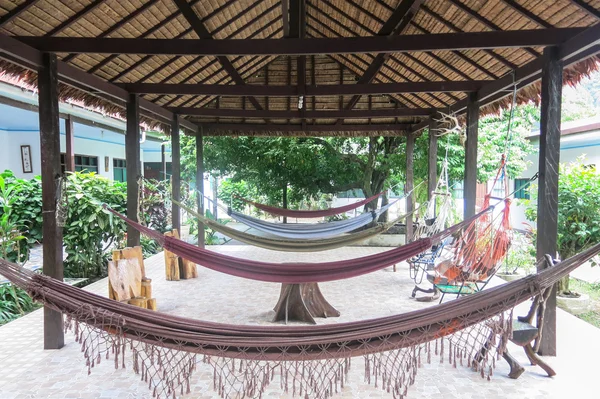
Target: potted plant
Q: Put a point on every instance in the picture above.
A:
(520, 259)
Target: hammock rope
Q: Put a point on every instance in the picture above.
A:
(309, 360)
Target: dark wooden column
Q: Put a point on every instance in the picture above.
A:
(432, 163)
(410, 183)
(547, 216)
(163, 162)
(175, 173)
(132, 156)
(70, 145)
(50, 156)
(470, 181)
(200, 181)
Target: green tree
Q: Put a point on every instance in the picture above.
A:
(578, 210)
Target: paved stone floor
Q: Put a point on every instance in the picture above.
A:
(27, 371)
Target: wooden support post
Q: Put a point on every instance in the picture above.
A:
(547, 214)
(163, 162)
(200, 182)
(215, 187)
(70, 147)
(50, 157)
(470, 179)
(410, 183)
(175, 173)
(132, 156)
(432, 163)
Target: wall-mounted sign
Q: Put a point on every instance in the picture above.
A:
(26, 159)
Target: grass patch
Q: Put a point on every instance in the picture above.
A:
(593, 290)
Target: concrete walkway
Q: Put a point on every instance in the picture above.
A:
(30, 372)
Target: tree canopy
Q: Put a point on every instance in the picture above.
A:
(312, 166)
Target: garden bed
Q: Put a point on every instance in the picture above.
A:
(592, 316)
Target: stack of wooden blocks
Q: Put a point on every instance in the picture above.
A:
(127, 281)
(177, 268)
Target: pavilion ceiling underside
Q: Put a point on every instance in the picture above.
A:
(264, 19)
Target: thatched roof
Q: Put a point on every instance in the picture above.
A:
(264, 19)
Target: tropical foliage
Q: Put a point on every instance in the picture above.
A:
(578, 209)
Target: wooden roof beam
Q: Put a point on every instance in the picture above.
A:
(15, 12)
(264, 47)
(222, 129)
(310, 90)
(205, 36)
(303, 114)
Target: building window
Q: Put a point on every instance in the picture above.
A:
(521, 186)
(82, 163)
(119, 170)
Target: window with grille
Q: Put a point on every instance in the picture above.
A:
(119, 170)
(82, 163)
(521, 186)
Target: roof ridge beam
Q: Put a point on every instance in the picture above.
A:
(304, 114)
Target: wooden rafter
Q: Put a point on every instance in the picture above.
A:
(192, 18)
(524, 11)
(489, 24)
(352, 45)
(587, 8)
(457, 29)
(15, 12)
(71, 20)
(396, 23)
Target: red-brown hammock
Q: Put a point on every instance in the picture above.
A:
(300, 272)
(309, 214)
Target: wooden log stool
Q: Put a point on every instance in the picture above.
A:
(302, 302)
(126, 279)
(177, 268)
(523, 334)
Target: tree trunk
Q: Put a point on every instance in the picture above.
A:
(285, 200)
(563, 286)
(384, 201)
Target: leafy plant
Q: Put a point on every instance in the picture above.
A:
(156, 213)
(91, 230)
(14, 302)
(521, 254)
(149, 246)
(578, 210)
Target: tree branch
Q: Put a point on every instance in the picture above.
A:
(349, 157)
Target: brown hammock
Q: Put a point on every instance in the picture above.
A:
(309, 214)
(310, 361)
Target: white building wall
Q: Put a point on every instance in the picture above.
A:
(10, 152)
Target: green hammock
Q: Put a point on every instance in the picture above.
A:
(291, 245)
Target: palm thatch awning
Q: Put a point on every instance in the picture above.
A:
(442, 51)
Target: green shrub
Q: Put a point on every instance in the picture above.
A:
(14, 302)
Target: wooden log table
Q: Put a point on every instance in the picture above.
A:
(302, 302)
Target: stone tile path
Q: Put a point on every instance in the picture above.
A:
(27, 371)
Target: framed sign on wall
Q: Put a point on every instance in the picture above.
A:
(26, 159)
